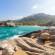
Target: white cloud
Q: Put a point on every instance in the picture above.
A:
(34, 7)
(16, 17)
(11, 18)
(45, 6)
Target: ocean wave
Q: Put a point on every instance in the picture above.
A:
(13, 37)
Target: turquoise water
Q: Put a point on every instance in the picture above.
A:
(7, 32)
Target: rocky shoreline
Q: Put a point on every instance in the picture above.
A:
(28, 45)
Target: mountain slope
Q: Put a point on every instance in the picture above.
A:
(38, 18)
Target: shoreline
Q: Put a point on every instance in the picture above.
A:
(26, 45)
(5, 33)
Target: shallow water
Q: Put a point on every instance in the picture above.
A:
(7, 32)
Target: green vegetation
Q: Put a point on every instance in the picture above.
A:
(36, 19)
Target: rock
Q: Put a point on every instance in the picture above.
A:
(5, 52)
(10, 24)
(45, 36)
(25, 46)
(35, 35)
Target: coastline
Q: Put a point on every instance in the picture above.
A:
(26, 46)
(20, 30)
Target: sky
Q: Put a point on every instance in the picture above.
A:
(16, 9)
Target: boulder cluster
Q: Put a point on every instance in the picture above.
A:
(41, 43)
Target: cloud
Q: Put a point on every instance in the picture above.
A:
(34, 7)
(44, 6)
(15, 17)
(11, 18)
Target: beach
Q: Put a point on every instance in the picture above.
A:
(27, 27)
(26, 46)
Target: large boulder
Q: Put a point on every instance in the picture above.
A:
(45, 35)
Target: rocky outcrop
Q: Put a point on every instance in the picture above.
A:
(33, 46)
(26, 46)
(10, 24)
(29, 45)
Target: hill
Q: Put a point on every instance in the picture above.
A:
(36, 19)
(39, 18)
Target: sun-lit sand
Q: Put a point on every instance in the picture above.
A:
(20, 52)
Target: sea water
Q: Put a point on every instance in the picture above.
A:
(8, 32)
